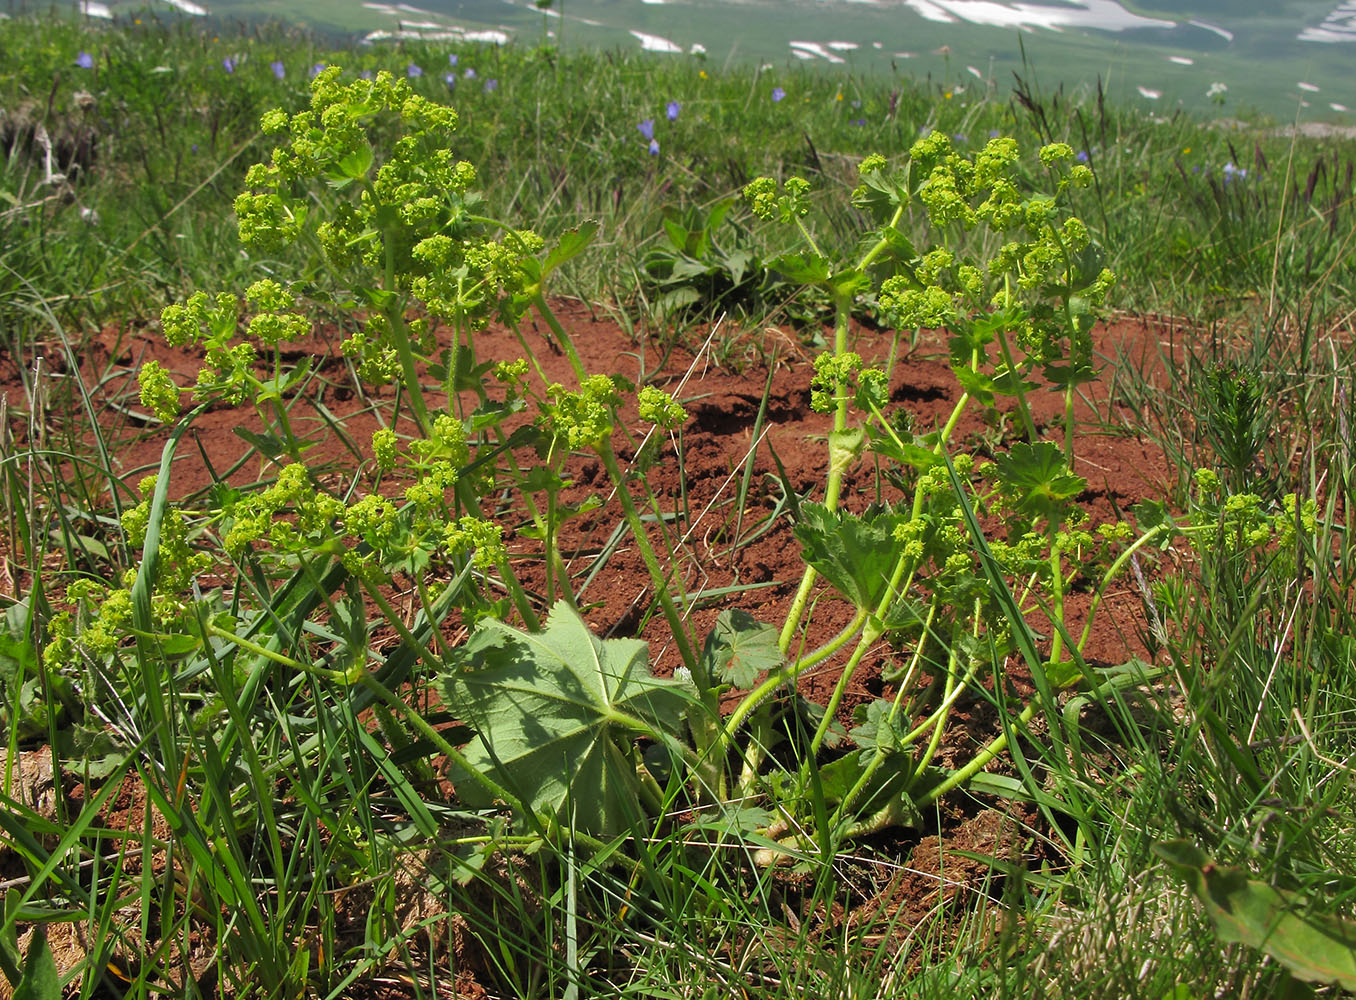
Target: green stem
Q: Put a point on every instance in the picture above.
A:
(837, 468)
(393, 619)
(782, 677)
(1112, 572)
(250, 646)
(978, 763)
(842, 308)
(657, 574)
(1023, 409)
(879, 757)
(409, 371)
(421, 725)
(870, 633)
(558, 331)
(1056, 599)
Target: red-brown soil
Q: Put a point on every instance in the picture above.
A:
(711, 539)
(699, 491)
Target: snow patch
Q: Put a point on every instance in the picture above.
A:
(654, 43)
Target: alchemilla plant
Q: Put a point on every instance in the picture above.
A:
(569, 734)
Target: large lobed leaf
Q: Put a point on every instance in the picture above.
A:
(555, 712)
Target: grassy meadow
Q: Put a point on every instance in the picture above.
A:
(1193, 811)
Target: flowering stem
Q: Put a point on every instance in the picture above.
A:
(1028, 424)
(657, 574)
(1112, 572)
(978, 762)
(782, 677)
(1056, 599)
(837, 467)
(558, 331)
(879, 758)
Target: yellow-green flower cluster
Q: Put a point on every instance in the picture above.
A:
(406, 213)
(912, 308)
(289, 515)
(832, 373)
(446, 443)
(765, 202)
(178, 562)
(377, 360)
(159, 394)
(660, 409)
(384, 449)
(483, 539)
(581, 419)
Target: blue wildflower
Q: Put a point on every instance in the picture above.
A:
(1232, 172)
(470, 73)
(1082, 156)
(777, 94)
(316, 70)
(228, 64)
(279, 70)
(450, 78)
(958, 138)
(994, 133)
(413, 71)
(84, 60)
(491, 85)
(654, 147)
(671, 111)
(365, 75)
(451, 59)
(857, 121)
(647, 128)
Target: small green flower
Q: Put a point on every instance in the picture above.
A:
(267, 295)
(384, 448)
(484, 539)
(832, 372)
(1206, 481)
(159, 394)
(660, 409)
(581, 419)
(1056, 152)
(872, 164)
(914, 308)
(273, 121)
(273, 329)
(761, 194)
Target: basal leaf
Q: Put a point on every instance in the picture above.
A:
(739, 648)
(555, 713)
(1315, 947)
(855, 554)
(885, 801)
(40, 980)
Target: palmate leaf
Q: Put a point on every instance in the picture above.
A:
(855, 554)
(1315, 947)
(739, 648)
(1035, 476)
(555, 712)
